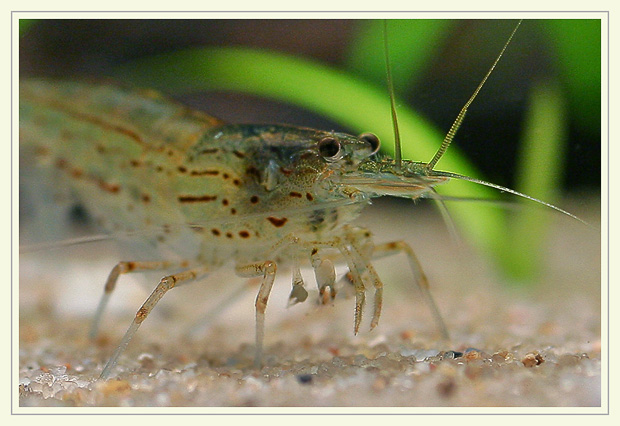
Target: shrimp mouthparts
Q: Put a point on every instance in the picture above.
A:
(378, 178)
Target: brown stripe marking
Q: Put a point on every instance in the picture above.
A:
(209, 151)
(295, 194)
(276, 221)
(98, 122)
(77, 173)
(112, 188)
(196, 198)
(204, 173)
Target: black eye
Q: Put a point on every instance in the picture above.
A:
(329, 147)
(371, 139)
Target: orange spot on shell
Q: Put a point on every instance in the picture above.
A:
(277, 222)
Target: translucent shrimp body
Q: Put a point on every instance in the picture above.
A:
(259, 196)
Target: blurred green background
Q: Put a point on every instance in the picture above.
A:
(535, 126)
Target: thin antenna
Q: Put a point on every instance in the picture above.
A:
(397, 150)
(445, 215)
(459, 119)
(64, 243)
(510, 191)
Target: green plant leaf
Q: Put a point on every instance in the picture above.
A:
(541, 165)
(409, 56)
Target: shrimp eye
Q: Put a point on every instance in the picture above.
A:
(329, 148)
(371, 139)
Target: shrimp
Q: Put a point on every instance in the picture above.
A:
(257, 196)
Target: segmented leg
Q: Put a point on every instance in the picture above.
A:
(115, 273)
(361, 248)
(268, 270)
(298, 293)
(325, 276)
(165, 284)
(397, 247)
(360, 291)
(354, 250)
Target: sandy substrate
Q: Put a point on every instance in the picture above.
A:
(508, 347)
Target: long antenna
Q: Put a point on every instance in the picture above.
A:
(510, 191)
(459, 119)
(388, 69)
